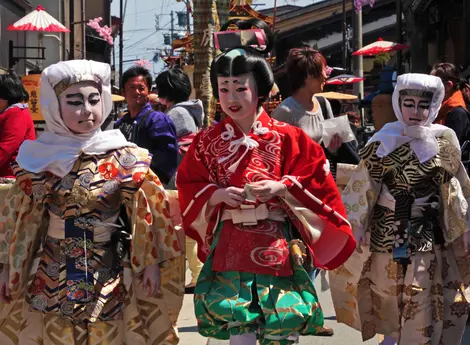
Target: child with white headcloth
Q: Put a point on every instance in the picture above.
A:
(62, 250)
(407, 204)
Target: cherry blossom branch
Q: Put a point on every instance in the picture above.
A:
(103, 31)
(359, 3)
(143, 63)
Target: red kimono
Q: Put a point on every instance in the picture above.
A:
(223, 156)
(16, 126)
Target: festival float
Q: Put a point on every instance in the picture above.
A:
(182, 51)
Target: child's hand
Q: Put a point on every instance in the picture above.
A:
(231, 196)
(152, 280)
(5, 296)
(268, 189)
(362, 238)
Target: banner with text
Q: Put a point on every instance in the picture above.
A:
(31, 84)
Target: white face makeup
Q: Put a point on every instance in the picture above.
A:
(415, 109)
(238, 96)
(81, 107)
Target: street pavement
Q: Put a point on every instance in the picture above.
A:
(343, 335)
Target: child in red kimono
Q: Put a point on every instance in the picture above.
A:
(258, 197)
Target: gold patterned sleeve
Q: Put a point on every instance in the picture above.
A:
(359, 198)
(19, 214)
(154, 239)
(457, 196)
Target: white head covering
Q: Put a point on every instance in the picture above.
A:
(422, 138)
(57, 149)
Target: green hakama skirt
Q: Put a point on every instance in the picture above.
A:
(278, 309)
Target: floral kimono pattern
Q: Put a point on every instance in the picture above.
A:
(55, 234)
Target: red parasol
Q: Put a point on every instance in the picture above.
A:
(380, 47)
(38, 20)
(344, 79)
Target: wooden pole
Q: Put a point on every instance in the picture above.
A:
(39, 43)
(398, 33)
(188, 17)
(273, 28)
(466, 31)
(274, 15)
(121, 43)
(345, 28)
(358, 59)
(83, 30)
(72, 29)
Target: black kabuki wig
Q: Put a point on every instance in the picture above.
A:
(242, 60)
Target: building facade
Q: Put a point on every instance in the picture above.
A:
(320, 26)
(86, 42)
(437, 31)
(10, 12)
(53, 42)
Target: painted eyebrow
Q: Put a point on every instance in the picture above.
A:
(94, 94)
(72, 95)
(234, 82)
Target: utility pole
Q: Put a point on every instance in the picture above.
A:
(358, 63)
(345, 50)
(63, 46)
(172, 37)
(72, 29)
(466, 16)
(83, 30)
(121, 42)
(399, 30)
(188, 17)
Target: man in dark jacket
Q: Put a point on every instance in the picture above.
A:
(149, 129)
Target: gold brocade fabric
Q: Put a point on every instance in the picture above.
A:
(425, 302)
(405, 179)
(41, 311)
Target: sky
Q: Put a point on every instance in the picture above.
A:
(140, 36)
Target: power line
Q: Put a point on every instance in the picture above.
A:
(146, 11)
(136, 43)
(135, 30)
(139, 51)
(125, 9)
(144, 40)
(135, 20)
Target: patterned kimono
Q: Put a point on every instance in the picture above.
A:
(422, 207)
(55, 233)
(249, 282)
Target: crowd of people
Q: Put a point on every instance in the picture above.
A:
(96, 225)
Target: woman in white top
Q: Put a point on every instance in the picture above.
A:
(306, 68)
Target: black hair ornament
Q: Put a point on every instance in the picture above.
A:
(254, 38)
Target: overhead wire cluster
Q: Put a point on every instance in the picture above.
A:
(141, 48)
